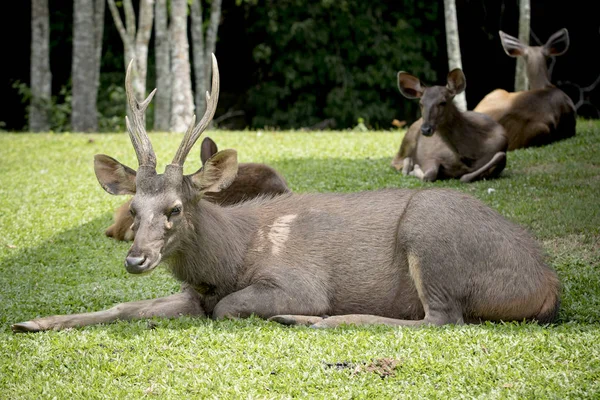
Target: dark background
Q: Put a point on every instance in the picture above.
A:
(485, 64)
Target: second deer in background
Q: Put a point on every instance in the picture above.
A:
(445, 142)
(252, 180)
(541, 115)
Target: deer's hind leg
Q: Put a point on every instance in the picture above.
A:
(187, 302)
(438, 303)
(491, 169)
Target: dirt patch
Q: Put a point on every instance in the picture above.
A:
(384, 367)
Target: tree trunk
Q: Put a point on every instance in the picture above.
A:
(41, 77)
(211, 39)
(142, 40)
(453, 44)
(162, 100)
(203, 48)
(182, 105)
(99, 10)
(521, 81)
(135, 39)
(83, 114)
(198, 53)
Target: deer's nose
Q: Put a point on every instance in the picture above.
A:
(132, 264)
(426, 130)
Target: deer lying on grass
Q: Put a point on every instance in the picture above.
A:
(446, 142)
(252, 180)
(393, 256)
(538, 116)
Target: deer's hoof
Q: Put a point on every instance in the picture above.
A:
(28, 326)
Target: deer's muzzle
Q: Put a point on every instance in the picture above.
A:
(427, 130)
(141, 264)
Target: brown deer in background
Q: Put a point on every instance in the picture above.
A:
(446, 142)
(392, 256)
(544, 113)
(252, 180)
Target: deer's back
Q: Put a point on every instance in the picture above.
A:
(253, 180)
(532, 117)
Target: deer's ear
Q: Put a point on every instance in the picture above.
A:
(218, 172)
(113, 176)
(410, 86)
(457, 82)
(207, 149)
(557, 44)
(512, 46)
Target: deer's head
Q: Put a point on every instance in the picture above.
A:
(536, 57)
(435, 101)
(162, 202)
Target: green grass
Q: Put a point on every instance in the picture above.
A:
(54, 259)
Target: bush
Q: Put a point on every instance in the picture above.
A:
(338, 59)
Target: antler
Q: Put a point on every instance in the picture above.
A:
(193, 133)
(137, 125)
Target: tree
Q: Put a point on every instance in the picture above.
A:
(41, 77)
(182, 104)
(162, 102)
(135, 39)
(202, 49)
(453, 44)
(521, 82)
(87, 46)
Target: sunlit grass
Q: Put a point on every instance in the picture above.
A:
(54, 259)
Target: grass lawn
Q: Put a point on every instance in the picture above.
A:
(55, 259)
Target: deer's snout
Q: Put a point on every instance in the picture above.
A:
(138, 264)
(134, 264)
(427, 130)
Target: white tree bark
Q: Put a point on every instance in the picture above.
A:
(211, 39)
(198, 53)
(135, 39)
(182, 104)
(453, 45)
(83, 101)
(99, 11)
(203, 48)
(521, 81)
(162, 100)
(41, 77)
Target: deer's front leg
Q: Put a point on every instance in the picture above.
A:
(265, 300)
(186, 302)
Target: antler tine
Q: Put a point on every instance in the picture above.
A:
(137, 126)
(193, 133)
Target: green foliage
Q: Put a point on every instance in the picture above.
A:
(111, 108)
(58, 108)
(338, 59)
(54, 259)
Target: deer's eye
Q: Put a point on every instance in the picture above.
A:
(132, 212)
(443, 103)
(175, 211)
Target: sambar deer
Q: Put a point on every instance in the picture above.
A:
(392, 256)
(252, 180)
(544, 113)
(446, 142)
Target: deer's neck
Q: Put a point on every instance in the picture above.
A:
(213, 249)
(459, 133)
(537, 74)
